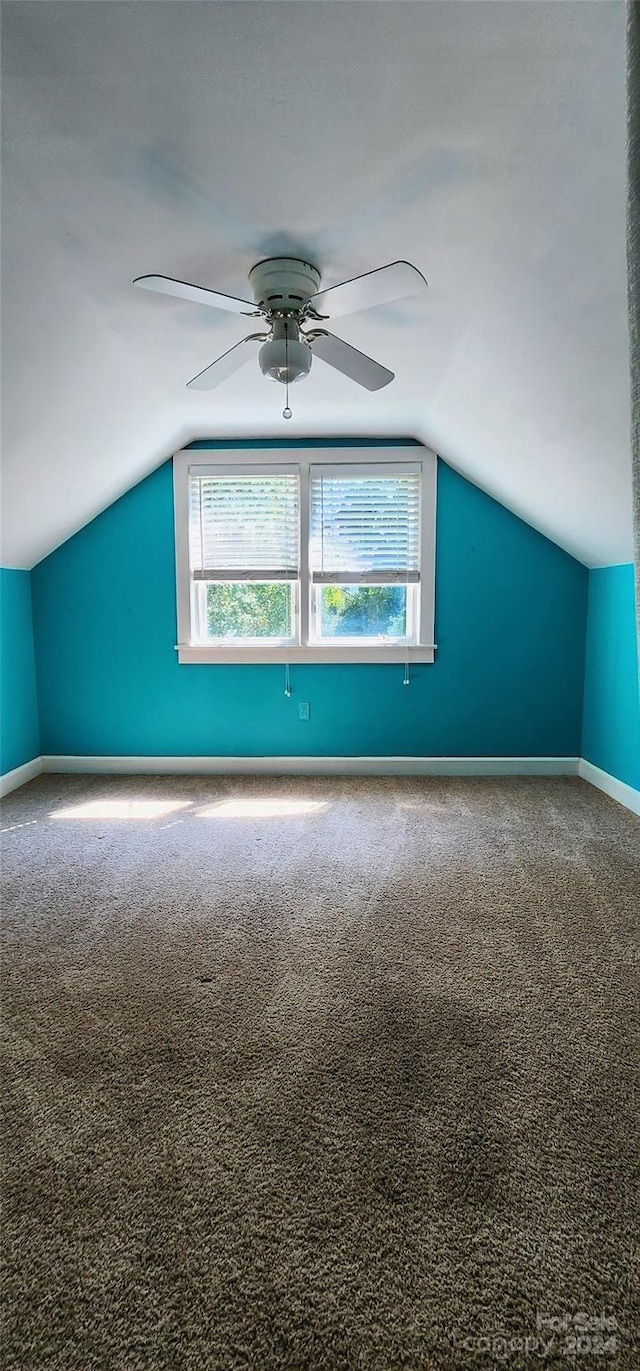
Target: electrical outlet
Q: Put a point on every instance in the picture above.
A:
(304, 710)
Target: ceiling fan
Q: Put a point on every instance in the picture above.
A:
(287, 296)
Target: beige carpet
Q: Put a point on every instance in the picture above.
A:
(318, 1074)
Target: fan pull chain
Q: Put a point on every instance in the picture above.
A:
(286, 413)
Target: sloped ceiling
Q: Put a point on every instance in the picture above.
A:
(484, 142)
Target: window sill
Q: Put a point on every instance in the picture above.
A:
(235, 656)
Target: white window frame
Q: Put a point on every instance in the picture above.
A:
(216, 461)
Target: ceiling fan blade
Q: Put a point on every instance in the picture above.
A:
(393, 282)
(350, 362)
(165, 285)
(225, 365)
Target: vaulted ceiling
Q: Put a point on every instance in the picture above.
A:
(482, 141)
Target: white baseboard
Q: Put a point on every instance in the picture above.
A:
(618, 790)
(20, 775)
(316, 766)
(325, 766)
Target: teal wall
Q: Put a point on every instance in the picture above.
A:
(19, 734)
(508, 679)
(611, 726)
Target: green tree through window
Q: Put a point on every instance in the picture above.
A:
(364, 611)
(246, 610)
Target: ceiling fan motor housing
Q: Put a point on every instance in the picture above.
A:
(283, 283)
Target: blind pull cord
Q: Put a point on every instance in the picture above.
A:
(406, 680)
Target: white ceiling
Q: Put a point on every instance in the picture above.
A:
(482, 141)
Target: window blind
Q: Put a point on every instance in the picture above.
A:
(365, 526)
(244, 527)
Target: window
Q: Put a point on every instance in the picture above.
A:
(365, 553)
(244, 554)
(283, 561)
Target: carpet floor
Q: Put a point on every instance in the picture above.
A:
(318, 1074)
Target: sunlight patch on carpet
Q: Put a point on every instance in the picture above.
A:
(120, 809)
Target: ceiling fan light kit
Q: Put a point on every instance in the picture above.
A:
(285, 357)
(287, 296)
